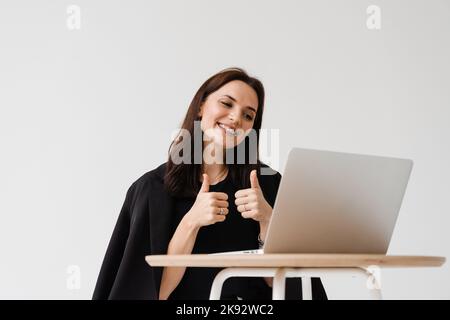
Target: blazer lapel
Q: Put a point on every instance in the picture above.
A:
(160, 214)
(160, 206)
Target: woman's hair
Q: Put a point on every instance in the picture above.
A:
(183, 180)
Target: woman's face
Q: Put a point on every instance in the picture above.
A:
(229, 113)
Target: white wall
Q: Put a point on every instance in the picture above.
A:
(85, 112)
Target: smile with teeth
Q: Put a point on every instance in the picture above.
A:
(228, 130)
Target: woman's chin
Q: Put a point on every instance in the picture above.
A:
(222, 142)
(222, 145)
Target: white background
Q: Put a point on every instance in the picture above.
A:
(85, 112)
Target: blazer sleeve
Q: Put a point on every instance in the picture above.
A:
(115, 250)
(272, 191)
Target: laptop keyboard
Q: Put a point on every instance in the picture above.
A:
(255, 251)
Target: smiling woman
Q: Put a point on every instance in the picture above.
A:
(229, 109)
(198, 207)
(230, 101)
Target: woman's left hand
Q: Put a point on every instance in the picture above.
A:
(251, 202)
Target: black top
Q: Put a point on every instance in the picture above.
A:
(235, 233)
(145, 226)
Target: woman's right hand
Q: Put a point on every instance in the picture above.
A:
(206, 209)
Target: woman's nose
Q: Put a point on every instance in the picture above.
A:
(234, 120)
(234, 123)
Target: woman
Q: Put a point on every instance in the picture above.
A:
(215, 199)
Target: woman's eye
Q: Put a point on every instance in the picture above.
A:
(247, 116)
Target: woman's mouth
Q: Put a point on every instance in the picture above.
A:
(228, 130)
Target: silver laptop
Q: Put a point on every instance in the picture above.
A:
(334, 202)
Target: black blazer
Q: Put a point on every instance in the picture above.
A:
(143, 228)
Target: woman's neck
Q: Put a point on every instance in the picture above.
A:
(215, 171)
(213, 166)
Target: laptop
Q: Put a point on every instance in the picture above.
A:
(336, 202)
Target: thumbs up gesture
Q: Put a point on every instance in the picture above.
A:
(209, 207)
(251, 202)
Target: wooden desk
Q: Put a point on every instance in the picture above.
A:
(305, 266)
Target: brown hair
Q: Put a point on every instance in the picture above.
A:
(184, 179)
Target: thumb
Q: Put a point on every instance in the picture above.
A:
(205, 184)
(254, 180)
